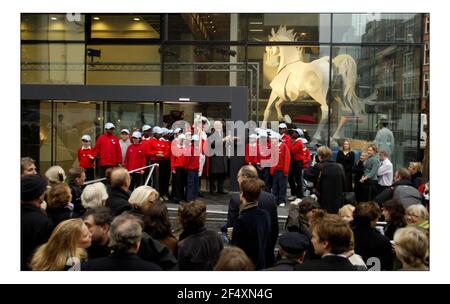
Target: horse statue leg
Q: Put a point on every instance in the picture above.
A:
(278, 109)
(268, 110)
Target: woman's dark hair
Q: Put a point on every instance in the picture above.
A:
(396, 213)
(365, 213)
(192, 216)
(156, 221)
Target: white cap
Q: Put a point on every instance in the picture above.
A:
(253, 136)
(257, 130)
(170, 131)
(282, 126)
(299, 131)
(195, 137)
(146, 128)
(304, 140)
(157, 130)
(177, 130)
(262, 133)
(136, 134)
(164, 131)
(109, 125)
(86, 137)
(125, 131)
(181, 137)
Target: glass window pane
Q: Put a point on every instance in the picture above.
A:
(52, 27)
(55, 63)
(73, 119)
(307, 27)
(204, 65)
(123, 64)
(125, 26)
(377, 27)
(132, 115)
(393, 73)
(206, 27)
(36, 132)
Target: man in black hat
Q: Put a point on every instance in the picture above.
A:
(293, 246)
(35, 226)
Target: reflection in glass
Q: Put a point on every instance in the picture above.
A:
(125, 26)
(52, 27)
(377, 27)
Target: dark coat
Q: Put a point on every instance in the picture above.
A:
(404, 191)
(327, 263)
(152, 250)
(218, 164)
(35, 230)
(199, 250)
(118, 201)
(96, 251)
(329, 180)
(59, 215)
(251, 232)
(117, 262)
(266, 202)
(358, 171)
(371, 243)
(283, 265)
(417, 179)
(76, 198)
(347, 162)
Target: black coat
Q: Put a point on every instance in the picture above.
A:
(152, 250)
(199, 250)
(218, 164)
(118, 201)
(329, 180)
(347, 162)
(358, 171)
(76, 198)
(283, 265)
(327, 263)
(59, 215)
(35, 230)
(266, 202)
(117, 262)
(251, 232)
(371, 243)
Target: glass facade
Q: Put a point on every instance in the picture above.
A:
(385, 51)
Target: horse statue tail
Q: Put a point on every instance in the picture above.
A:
(345, 66)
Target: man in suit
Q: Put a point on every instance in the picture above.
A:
(331, 238)
(119, 194)
(266, 201)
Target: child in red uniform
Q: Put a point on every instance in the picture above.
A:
(86, 157)
(135, 159)
(177, 163)
(279, 168)
(163, 154)
(295, 173)
(264, 146)
(192, 166)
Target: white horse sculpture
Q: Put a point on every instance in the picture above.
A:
(296, 79)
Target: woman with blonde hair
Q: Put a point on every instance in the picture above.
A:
(346, 157)
(418, 215)
(142, 198)
(346, 213)
(94, 195)
(66, 247)
(234, 258)
(411, 248)
(55, 175)
(415, 170)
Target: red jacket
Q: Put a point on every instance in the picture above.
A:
(287, 140)
(192, 160)
(284, 160)
(135, 157)
(264, 154)
(177, 159)
(150, 148)
(108, 150)
(306, 157)
(164, 146)
(297, 150)
(251, 154)
(83, 157)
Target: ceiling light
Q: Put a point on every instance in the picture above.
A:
(53, 18)
(210, 22)
(96, 18)
(256, 22)
(302, 34)
(255, 30)
(137, 19)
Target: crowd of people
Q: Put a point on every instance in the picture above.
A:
(123, 224)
